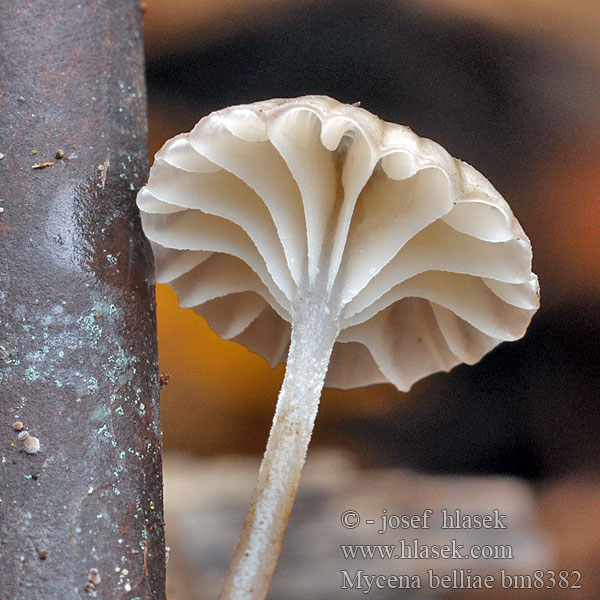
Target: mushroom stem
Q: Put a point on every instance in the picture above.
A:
(314, 332)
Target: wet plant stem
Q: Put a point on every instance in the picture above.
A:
(313, 334)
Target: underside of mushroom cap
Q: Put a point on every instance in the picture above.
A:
(414, 253)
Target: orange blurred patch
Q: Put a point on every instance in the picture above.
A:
(567, 223)
(218, 389)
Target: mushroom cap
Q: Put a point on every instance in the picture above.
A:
(416, 255)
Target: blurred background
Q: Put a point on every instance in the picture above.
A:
(511, 87)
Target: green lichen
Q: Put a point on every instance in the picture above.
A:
(31, 374)
(92, 385)
(91, 326)
(104, 431)
(100, 414)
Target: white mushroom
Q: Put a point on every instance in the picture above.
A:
(31, 444)
(312, 230)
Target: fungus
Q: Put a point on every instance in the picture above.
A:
(313, 230)
(94, 576)
(31, 444)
